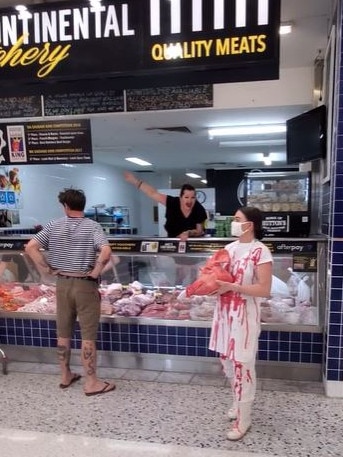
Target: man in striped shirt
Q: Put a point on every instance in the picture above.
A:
(76, 252)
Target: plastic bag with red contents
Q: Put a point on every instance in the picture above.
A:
(216, 268)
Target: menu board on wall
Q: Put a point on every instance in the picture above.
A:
(166, 98)
(74, 103)
(46, 142)
(29, 106)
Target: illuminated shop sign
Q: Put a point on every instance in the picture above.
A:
(223, 40)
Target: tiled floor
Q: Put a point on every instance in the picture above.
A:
(161, 414)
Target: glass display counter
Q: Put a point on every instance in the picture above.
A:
(145, 324)
(145, 277)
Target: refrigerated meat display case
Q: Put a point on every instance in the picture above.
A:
(143, 320)
(146, 277)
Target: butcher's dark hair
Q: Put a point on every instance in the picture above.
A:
(186, 187)
(254, 215)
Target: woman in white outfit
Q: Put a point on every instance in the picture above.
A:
(236, 321)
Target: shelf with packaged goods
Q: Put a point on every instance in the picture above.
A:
(286, 192)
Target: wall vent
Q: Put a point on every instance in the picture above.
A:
(171, 129)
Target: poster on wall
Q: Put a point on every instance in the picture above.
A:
(10, 196)
(9, 218)
(5, 218)
(46, 142)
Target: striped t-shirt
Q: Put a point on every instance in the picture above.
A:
(72, 243)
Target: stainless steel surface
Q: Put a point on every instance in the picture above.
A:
(275, 174)
(168, 363)
(3, 361)
(316, 197)
(290, 371)
(323, 290)
(292, 328)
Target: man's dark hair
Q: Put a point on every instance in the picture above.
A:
(186, 187)
(75, 199)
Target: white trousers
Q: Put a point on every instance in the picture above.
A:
(242, 376)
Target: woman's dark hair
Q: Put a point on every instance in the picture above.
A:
(254, 215)
(75, 199)
(186, 187)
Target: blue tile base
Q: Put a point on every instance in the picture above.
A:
(277, 346)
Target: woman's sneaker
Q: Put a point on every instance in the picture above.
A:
(243, 422)
(237, 432)
(232, 413)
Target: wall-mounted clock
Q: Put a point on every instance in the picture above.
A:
(201, 196)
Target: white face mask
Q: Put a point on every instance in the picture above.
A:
(236, 228)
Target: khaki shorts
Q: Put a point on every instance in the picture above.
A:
(77, 298)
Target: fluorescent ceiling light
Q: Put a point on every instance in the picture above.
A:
(244, 143)
(204, 181)
(255, 129)
(285, 28)
(193, 175)
(138, 161)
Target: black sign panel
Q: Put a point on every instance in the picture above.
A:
(198, 246)
(160, 41)
(167, 98)
(10, 244)
(305, 262)
(75, 103)
(275, 224)
(46, 142)
(125, 245)
(291, 247)
(147, 246)
(29, 106)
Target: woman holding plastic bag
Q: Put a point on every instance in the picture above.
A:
(236, 321)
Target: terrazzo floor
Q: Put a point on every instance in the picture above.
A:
(155, 414)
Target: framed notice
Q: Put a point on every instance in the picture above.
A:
(46, 142)
(16, 144)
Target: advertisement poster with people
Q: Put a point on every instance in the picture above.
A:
(17, 146)
(10, 196)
